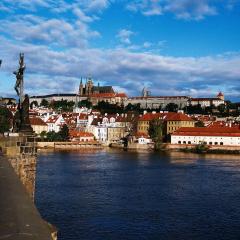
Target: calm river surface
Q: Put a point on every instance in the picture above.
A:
(126, 195)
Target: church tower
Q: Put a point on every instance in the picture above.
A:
(145, 92)
(89, 86)
(220, 96)
(81, 88)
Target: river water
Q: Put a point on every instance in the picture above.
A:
(124, 195)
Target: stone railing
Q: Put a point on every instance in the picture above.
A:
(21, 152)
(19, 218)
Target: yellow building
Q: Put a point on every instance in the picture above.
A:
(172, 121)
(38, 125)
(175, 121)
(144, 121)
(114, 134)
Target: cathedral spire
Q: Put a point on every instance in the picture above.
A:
(81, 87)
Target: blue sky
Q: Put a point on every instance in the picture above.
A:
(173, 47)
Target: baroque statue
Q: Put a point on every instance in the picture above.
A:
(19, 77)
(21, 119)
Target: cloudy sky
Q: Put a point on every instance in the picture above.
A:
(173, 47)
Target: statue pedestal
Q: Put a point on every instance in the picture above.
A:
(26, 129)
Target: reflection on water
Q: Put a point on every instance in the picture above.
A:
(113, 194)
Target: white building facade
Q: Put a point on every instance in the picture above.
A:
(211, 136)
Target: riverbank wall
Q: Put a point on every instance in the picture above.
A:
(19, 218)
(69, 145)
(21, 152)
(221, 148)
(133, 146)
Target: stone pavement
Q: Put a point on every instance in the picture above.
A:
(19, 218)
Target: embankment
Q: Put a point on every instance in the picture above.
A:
(209, 148)
(19, 218)
(69, 145)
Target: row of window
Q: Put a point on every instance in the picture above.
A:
(210, 143)
(143, 128)
(172, 128)
(181, 122)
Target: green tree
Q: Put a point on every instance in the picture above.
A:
(193, 109)
(106, 107)
(171, 107)
(133, 107)
(155, 131)
(199, 124)
(209, 109)
(53, 136)
(44, 103)
(64, 133)
(63, 105)
(222, 109)
(43, 135)
(5, 119)
(85, 103)
(34, 103)
(201, 148)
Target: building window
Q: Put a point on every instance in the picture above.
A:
(216, 143)
(189, 142)
(221, 143)
(184, 142)
(210, 143)
(179, 142)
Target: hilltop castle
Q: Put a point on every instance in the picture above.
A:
(89, 89)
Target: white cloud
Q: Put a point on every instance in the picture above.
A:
(58, 53)
(193, 9)
(53, 31)
(97, 4)
(147, 44)
(124, 36)
(60, 71)
(184, 9)
(81, 15)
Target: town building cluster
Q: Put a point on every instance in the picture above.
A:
(89, 125)
(96, 94)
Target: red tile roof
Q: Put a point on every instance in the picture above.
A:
(121, 95)
(141, 134)
(83, 116)
(151, 116)
(223, 124)
(37, 121)
(178, 117)
(52, 119)
(204, 131)
(204, 99)
(74, 133)
(220, 94)
(170, 116)
(163, 97)
(103, 95)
